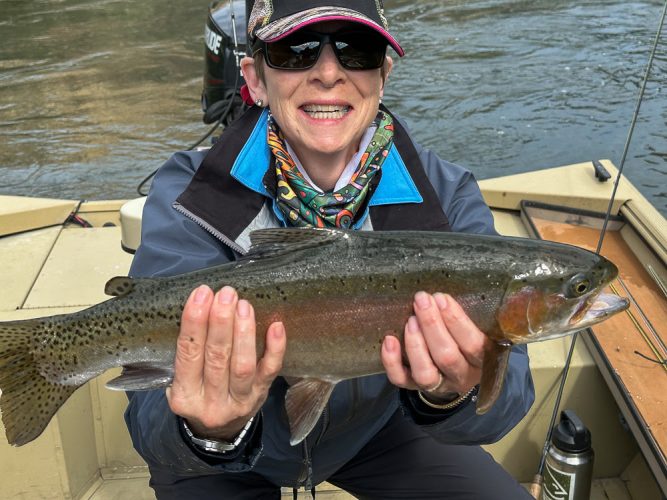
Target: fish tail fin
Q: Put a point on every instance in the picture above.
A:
(27, 399)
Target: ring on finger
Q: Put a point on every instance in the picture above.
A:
(441, 380)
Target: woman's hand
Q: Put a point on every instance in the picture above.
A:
(443, 346)
(218, 382)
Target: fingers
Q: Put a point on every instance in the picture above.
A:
(274, 352)
(397, 373)
(443, 347)
(218, 381)
(219, 340)
(189, 359)
(469, 339)
(424, 370)
(244, 355)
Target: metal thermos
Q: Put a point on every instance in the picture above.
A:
(568, 469)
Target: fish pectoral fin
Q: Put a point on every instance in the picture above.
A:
(305, 402)
(494, 366)
(142, 377)
(119, 286)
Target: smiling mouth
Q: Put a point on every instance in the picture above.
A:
(326, 111)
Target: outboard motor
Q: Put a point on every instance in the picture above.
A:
(225, 39)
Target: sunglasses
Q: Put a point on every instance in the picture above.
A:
(355, 50)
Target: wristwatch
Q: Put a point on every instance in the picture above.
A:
(215, 445)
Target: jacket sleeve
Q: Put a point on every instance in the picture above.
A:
(173, 244)
(467, 212)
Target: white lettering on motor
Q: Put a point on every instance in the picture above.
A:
(212, 40)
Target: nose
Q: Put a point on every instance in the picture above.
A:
(328, 70)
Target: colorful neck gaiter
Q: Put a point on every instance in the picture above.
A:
(304, 205)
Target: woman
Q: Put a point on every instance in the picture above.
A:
(316, 149)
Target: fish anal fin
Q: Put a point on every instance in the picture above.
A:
(119, 286)
(142, 377)
(304, 402)
(496, 358)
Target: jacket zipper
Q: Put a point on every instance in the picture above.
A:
(306, 476)
(208, 228)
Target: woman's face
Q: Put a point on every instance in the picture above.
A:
(325, 109)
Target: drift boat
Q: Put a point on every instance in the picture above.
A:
(58, 254)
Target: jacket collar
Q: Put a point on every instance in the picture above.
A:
(229, 195)
(396, 184)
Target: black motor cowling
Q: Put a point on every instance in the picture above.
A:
(225, 41)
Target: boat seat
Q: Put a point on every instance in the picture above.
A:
(130, 224)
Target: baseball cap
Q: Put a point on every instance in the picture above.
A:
(271, 20)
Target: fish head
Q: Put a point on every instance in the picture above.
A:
(557, 298)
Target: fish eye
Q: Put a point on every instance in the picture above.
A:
(579, 285)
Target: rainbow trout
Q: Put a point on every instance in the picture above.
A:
(339, 293)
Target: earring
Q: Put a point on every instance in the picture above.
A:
(259, 102)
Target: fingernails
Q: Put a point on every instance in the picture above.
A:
(226, 295)
(278, 331)
(422, 300)
(440, 300)
(201, 294)
(243, 308)
(413, 325)
(389, 345)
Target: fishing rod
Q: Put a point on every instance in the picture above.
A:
(536, 485)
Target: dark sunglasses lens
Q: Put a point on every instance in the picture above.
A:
(293, 52)
(354, 49)
(361, 50)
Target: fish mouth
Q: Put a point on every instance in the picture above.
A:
(598, 308)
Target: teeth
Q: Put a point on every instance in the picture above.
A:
(326, 111)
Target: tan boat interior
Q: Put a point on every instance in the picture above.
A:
(51, 266)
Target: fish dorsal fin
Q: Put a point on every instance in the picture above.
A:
(142, 377)
(494, 366)
(304, 403)
(119, 286)
(269, 242)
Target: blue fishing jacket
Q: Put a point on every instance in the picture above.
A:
(200, 210)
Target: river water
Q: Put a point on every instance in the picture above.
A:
(94, 95)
